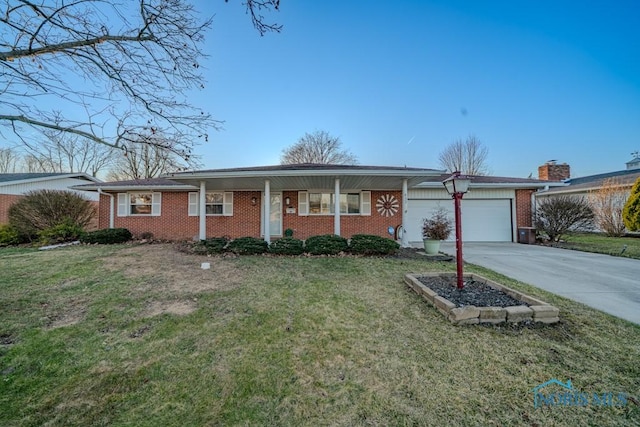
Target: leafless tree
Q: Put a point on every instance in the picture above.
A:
(61, 152)
(317, 147)
(146, 159)
(107, 71)
(467, 156)
(9, 160)
(557, 215)
(607, 203)
(255, 8)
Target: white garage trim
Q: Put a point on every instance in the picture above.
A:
(487, 215)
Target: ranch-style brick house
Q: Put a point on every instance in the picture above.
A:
(265, 201)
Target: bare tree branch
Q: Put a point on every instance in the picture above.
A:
(468, 156)
(317, 147)
(115, 68)
(9, 160)
(147, 158)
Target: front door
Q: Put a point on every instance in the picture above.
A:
(275, 217)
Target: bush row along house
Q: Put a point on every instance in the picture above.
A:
(312, 199)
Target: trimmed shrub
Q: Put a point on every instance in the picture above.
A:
(555, 216)
(66, 231)
(9, 235)
(326, 244)
(215, 245)
(43, 209)
(287, 246)
(107, 236)
(248, 246)
(367, 244)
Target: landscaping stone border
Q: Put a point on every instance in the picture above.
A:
(537, 311)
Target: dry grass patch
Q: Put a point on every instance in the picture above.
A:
(176, 272)
(283, 341)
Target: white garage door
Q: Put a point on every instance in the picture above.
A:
(482, 220)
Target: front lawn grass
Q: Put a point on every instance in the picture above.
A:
(600, 243)
(140, 335)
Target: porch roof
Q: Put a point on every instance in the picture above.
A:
(306, 176)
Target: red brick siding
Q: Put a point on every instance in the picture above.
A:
(554, 172)
(174, 223)
(523, 208)
(313, 225)
(6, 200)
(244, 222)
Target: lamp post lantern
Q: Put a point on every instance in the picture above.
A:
(456, 185)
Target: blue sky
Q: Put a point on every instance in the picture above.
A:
(399, 81)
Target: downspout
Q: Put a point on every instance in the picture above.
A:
(267, 211)
(202, 211)
(336, 207)
(111, 205)
(404, 239)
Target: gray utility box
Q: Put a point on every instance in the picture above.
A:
(527, 235)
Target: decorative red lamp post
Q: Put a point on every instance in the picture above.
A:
(456, 186)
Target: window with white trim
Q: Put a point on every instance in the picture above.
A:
(139, 204)
(217, 203)
(317, 203)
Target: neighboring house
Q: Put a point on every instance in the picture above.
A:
(585, 185)
(13, 186)
(372, 200)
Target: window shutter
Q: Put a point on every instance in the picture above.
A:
(227, 207)
(156, 199)
(365, 201)
(123, 204)
(193, 204)
(303, 203)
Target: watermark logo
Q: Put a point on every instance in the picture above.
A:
(556, 393)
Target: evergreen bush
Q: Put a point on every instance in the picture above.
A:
(9, 235)
(248, 246)
(326, 244)
(107, 236)
(631, 210)
(367, 244)
(66, 231)
(215, 245)
(287, 246)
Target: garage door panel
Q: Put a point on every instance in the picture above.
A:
(483, 220)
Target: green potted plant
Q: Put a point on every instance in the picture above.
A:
(436, 228)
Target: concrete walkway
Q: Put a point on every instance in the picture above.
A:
(607, 283)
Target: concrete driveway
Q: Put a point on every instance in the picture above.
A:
(610, 284)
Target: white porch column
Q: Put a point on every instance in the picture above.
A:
(112, 208)
(202, 211)
(336, 208)
(404, 241)
(267, 211)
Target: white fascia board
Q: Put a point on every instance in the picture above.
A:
(51, 178)
(126, 188)
(491, 185)
(289, 173)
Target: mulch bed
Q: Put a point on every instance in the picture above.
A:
(474, 293)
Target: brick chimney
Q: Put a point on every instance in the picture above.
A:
(551, 171)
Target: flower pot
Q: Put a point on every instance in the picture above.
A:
(431, 247)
